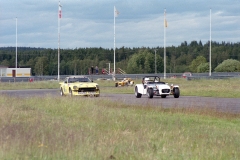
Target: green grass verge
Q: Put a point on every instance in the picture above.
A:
(96, 128)
(29, 85)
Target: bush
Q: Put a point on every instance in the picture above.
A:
(196, 62)
(229, 65)
(203, 67)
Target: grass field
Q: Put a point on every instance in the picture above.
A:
(95, 128)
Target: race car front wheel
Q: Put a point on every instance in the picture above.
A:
(70, 92)
(138, 95)
(61, 92)
(97, 95)
(176, 92)
(150, 93)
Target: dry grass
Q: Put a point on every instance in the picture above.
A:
(95, 128)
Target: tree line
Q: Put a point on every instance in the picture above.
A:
(193, 57)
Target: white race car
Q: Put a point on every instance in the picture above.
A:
(152, 86)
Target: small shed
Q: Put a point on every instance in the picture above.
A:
(14, 72)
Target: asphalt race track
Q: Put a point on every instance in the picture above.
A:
(231, 105)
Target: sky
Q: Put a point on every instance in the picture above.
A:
(140, 23)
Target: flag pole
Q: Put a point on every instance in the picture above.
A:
(16, 45)
(114, 15)
(155, 62)
(210, 46)
(59, 18)
(164, 44)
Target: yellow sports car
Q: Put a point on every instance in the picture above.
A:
(79, 86)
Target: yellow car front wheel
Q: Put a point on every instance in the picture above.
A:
(61, 92)
(70, 92)
(97, 95)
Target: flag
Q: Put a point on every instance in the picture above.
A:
(116, 13)
(59, 10)
(165, 23)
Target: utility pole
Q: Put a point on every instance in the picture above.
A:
(114, 63)
(16, 45)
(108, 68)
(155, 62)
(59, 18)
(210, 63)
(165, 26)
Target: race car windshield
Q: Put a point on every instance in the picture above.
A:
(72, 80)
(152, 79)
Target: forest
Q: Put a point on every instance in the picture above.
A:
(193, 57)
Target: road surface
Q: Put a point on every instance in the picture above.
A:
(231, 105)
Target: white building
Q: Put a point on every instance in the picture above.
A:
(14, 72)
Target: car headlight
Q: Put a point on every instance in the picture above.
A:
(75, 87)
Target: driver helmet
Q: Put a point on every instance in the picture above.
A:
(146, 80)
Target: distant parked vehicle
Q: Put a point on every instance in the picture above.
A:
(186, 74)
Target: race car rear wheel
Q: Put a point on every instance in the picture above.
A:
(61, 92)
(176, 92)
(116, 84)
(138, 95)
(150, 93)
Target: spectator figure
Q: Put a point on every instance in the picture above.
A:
(92, 69)
(96, 68)
(103, 72)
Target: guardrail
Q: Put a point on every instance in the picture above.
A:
(209, 77)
